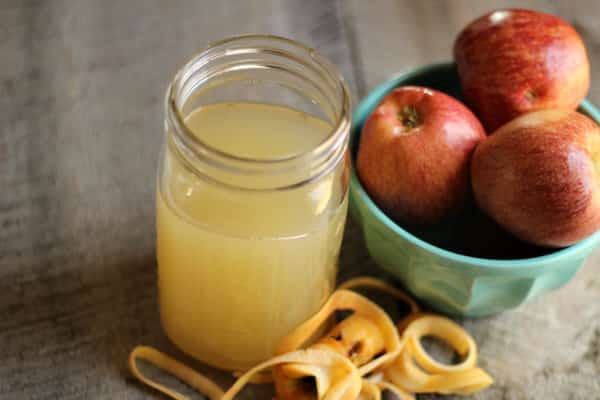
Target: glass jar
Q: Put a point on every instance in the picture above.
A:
(252, 196)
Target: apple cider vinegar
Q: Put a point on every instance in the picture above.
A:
(238, 271)
(251, 196)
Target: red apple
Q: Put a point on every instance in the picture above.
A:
(414, 154)
(514, 61)
(539, 177)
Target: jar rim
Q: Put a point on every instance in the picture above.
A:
(339, 129)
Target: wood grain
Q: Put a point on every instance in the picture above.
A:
(81, 87)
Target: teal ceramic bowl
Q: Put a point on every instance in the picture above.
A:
(447, 281)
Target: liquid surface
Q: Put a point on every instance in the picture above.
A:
(238, 269)
(257, 131)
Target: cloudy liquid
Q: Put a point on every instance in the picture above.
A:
(238, 270)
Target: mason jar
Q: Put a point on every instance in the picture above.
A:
(251, 197)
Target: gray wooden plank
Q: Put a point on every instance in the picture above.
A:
(548, 349)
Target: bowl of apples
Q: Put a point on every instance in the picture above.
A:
(477, 182)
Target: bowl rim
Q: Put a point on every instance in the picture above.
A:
(363, 110)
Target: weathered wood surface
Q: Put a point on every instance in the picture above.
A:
(81, 86)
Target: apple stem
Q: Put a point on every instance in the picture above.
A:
(409, 117)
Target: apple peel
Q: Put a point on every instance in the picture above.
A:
(198, 381)
(321, 364)
(368, 282)
(336, 377)
(416, 371)
(444, 329)
(376, 384)
(260, 378)
(405, 373)
(369, 391)
(381, 357)
(347, 300)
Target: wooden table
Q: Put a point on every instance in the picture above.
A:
(81, 90)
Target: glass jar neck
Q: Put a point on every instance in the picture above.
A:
(262, 69)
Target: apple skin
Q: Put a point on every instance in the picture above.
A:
(414, 153)
(514, 61)
(539, 177)
(292, 388)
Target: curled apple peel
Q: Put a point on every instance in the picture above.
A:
(442, 328)
(335, 376)
(368, 282)
(343, 299)
(407, 374)
(416, 371)
(375, 384)
(184, 373)
(361, 356)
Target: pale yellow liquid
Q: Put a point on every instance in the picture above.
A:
(238, 270)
